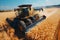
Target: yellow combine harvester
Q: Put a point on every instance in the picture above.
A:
(26, 18)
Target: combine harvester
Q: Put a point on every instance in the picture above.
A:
(25, 19)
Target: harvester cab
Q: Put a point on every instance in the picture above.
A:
(24, 11)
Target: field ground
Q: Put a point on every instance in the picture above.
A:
(46, 30)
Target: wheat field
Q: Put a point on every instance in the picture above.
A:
(46, 30)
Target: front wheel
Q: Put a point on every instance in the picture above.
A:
(33, 19)
(29, 21)
(22, 26)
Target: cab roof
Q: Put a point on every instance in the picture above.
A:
(27, 5)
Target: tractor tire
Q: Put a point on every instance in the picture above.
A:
(29, 21)
(22, 26)
(33, 19)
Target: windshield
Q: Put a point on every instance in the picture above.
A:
(23, 10)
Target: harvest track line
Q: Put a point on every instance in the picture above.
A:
(49, 14)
